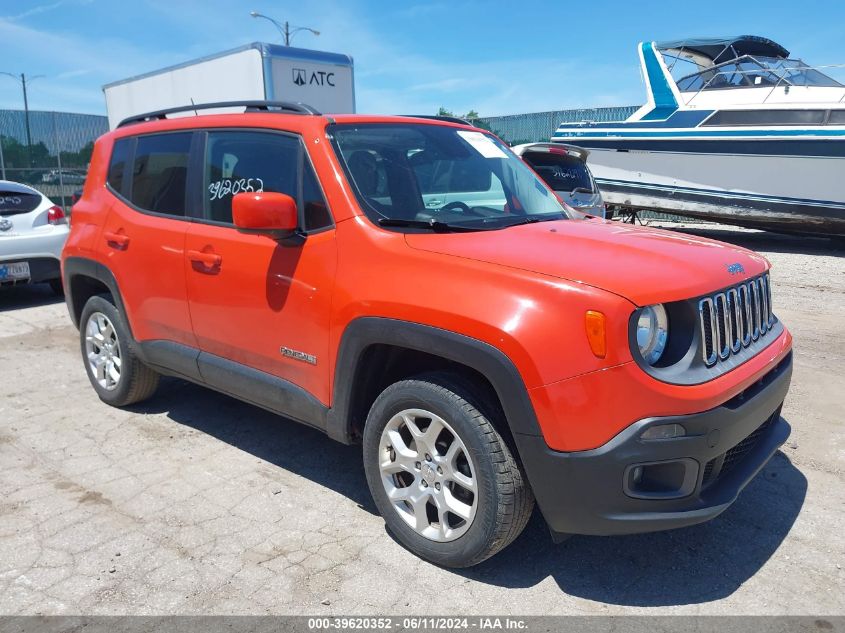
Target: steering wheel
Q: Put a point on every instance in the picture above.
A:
(457, 205)
(462, 207)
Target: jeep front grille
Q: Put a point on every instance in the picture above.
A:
(732, 319)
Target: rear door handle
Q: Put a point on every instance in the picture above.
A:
(209, 260)
(117, 239)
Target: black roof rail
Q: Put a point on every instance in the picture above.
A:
(440, 117)
(249, 106)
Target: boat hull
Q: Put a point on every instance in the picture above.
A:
(772, 191)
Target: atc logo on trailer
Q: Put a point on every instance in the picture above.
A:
(319, 82)
(302, 77)
(254, 72)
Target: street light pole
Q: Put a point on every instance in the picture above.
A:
(22, 81)
(285, 29)
(26, 111)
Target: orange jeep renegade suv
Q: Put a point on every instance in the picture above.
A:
(410, 284)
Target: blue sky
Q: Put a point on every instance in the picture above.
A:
(497, 57)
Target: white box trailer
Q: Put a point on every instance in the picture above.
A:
(255, 72)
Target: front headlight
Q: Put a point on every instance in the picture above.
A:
(652, 332)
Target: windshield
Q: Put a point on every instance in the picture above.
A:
(417, 173)
(756, 72)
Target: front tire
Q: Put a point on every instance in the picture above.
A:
(443, 478)
(115, 371)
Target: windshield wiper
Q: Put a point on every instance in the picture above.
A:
(431, 225)
(533, 220)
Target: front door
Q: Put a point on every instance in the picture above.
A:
(255, 303)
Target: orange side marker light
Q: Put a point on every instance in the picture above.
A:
(595, 323)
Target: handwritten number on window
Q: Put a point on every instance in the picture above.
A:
(230, 187)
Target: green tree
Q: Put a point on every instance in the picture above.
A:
(472, 116)
(14, 152)
(78, 159)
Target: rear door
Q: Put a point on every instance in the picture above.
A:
(255, 303)
(143, 237)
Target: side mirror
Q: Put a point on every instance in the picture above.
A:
(271, 214)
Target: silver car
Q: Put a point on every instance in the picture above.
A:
(33, 231)
(564, 168)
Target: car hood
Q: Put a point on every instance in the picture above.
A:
(642, 264)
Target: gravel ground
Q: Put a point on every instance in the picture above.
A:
(196, 503)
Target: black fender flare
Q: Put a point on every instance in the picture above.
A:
(487, 360)
(84, 267)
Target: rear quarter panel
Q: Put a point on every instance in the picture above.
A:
(90, 212)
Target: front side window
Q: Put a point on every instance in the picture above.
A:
(160, 172)
(237, 162)
(245, 162)
(422, 173)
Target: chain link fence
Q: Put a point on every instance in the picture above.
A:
(534, 127)
(49, 151)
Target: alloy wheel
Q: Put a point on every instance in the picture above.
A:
(428, 475)
(102, 350)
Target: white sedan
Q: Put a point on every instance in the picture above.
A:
(33, 231)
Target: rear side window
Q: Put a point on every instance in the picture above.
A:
(13, 203)
(159, 173)
(238, 162)
(117, 164)
(766, 117)
(837, 117)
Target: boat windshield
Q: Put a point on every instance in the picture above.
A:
(756, 72)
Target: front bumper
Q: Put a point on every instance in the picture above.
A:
(688, 480)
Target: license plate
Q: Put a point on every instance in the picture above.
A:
(14, 270)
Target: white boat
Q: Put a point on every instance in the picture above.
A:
(734, 130)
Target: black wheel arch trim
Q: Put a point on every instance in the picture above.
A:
(487, 360)
(84, 267)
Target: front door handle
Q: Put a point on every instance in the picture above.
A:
(209, 260)
(118, 240)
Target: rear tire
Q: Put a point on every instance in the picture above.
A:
(443, 478)
(114, 369)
